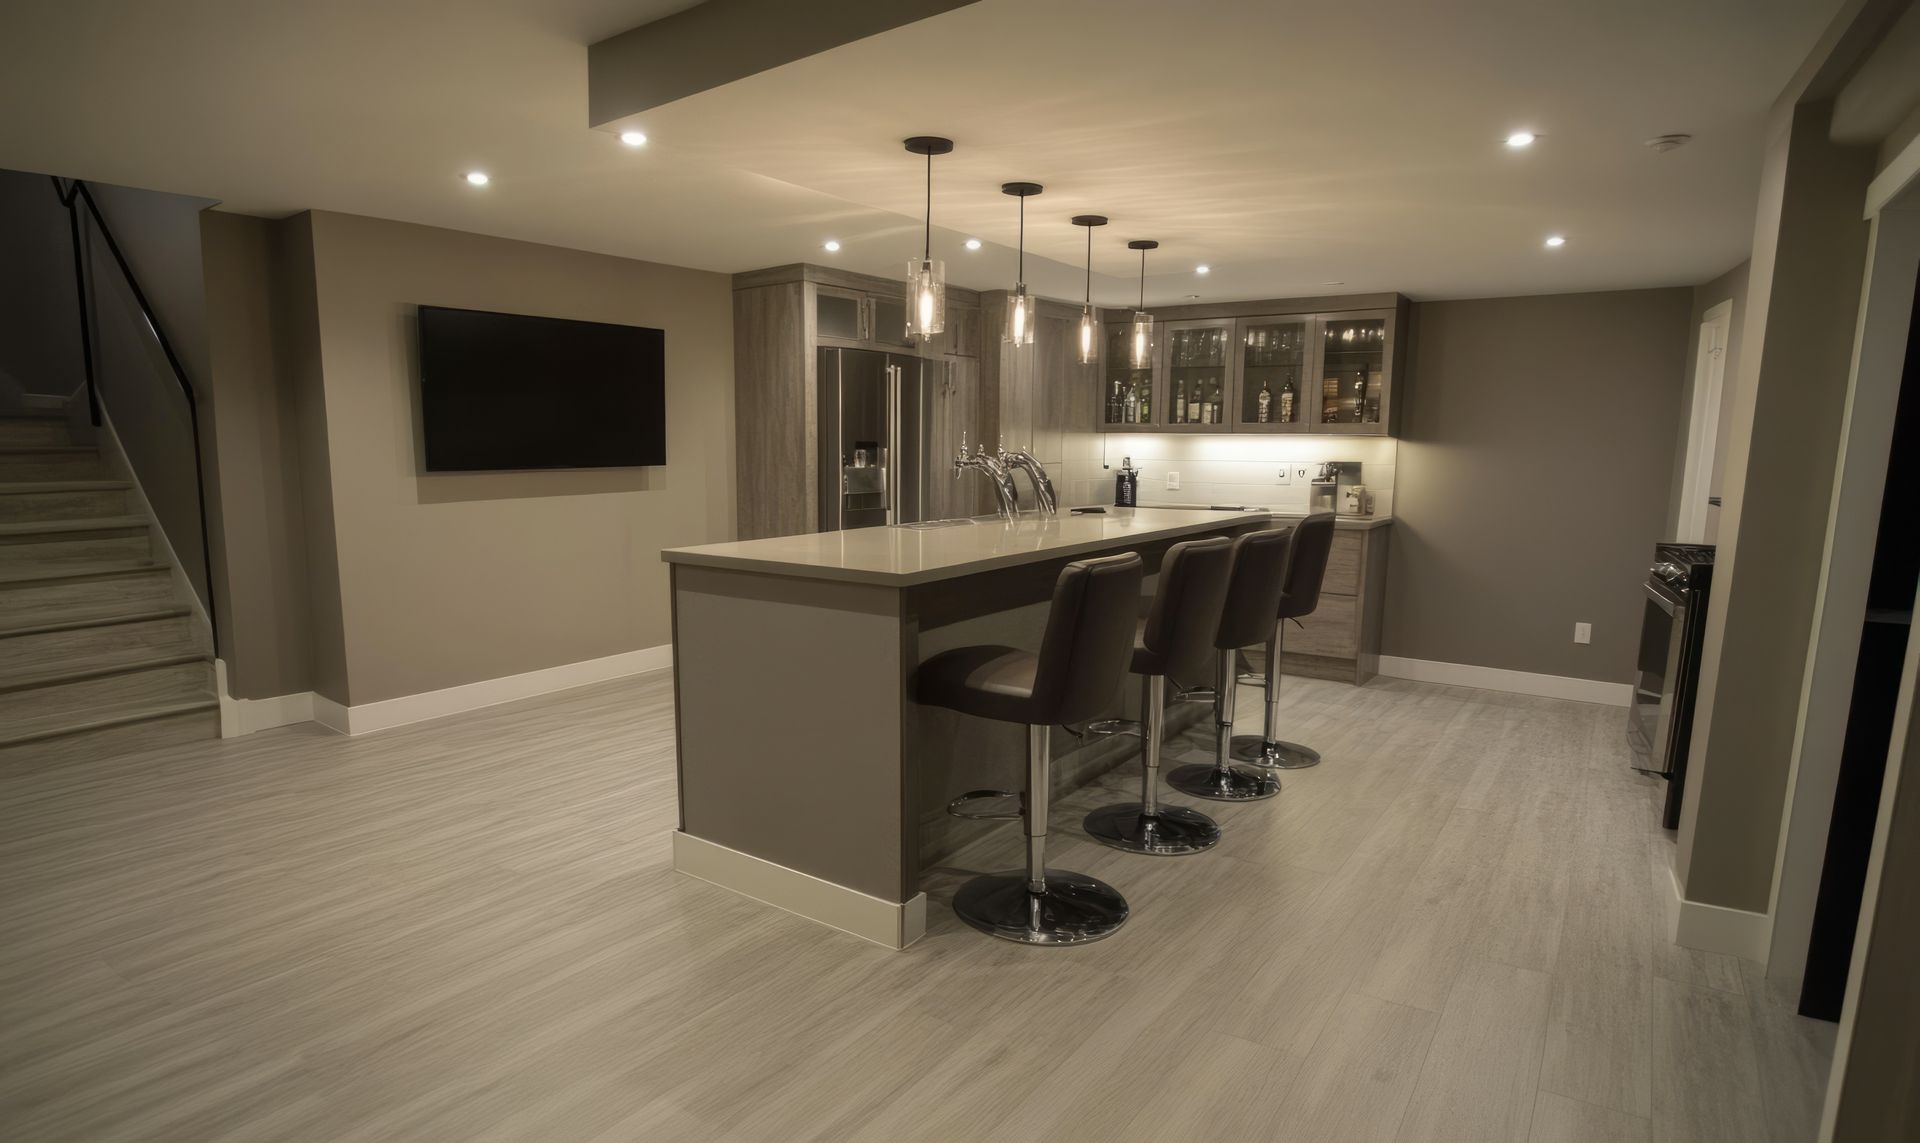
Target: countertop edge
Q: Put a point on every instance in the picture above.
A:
(958, 571)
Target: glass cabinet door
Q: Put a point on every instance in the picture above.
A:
(1274, 357)
(839, 314)
(1126, 393)
(1199, 358)
(1353, 369)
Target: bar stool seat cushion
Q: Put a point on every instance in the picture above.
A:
(986, 681)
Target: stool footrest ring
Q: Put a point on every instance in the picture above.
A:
(959, 807)
(1111, 727)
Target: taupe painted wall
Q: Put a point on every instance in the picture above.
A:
(1730, 286)
(39, 319)
(447, 579)
(1533, 478)
(1797, 343)
(258, 516)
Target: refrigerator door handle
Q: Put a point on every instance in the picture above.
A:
(893, 444)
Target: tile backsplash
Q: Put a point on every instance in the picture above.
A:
(1221, 469)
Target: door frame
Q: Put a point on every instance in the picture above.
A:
(1703, 423)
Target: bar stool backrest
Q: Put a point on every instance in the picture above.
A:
(1089, 639)
(1312, 541)
(1253, 590)
(1186, 604)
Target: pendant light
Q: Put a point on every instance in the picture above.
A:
(1020, 315)
(927, 279)
(1142, 338)
(1089, 319)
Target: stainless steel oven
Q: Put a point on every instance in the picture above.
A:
(1660, 713)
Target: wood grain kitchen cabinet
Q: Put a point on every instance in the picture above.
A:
(1341, 639)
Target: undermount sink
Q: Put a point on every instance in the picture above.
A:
(925, 525)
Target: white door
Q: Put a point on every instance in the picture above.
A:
(1697, 515)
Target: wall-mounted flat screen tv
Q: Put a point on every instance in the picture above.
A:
(506, 391)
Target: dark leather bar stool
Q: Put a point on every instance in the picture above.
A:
(1312, 541)
(1074, 677)
(1253, 596)
(1172, 641)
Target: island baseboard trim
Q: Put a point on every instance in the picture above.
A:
(891, 924)
(1511, 682)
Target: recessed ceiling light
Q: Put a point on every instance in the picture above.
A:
(1333, 283)
(831, 245)
(1203, 269)
(1520, 139)
(1556, 240)
(1193, 297)
(634, 138)
(478, 178)
(973, 244)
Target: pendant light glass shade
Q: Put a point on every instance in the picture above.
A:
(926, 278)
(1020, 303)
(926, 297)
(1140, 338)
(1089, 317)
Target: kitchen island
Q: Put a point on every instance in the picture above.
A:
(809, 778)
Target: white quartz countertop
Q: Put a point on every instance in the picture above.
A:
(902, 556)
(1290, 515)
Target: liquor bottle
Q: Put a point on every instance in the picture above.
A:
(1286, 401)
(1115, 404)
(1132, 409)
(1206, 411)
(1266, 404)
(1179, 400)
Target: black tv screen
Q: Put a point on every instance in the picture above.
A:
(505, 391)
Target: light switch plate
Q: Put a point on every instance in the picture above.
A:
(1583, 633)
(1286, 475)
(1173, 480)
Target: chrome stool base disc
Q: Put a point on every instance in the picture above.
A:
(1253, 749)
(1074, 910)
(1172, 830)
(1233, 784)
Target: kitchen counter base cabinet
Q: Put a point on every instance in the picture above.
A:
(809, 778)
(1341, 639)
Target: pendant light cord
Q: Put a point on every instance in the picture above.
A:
(926, 254)
(1020, 271)
(1089, 265)
(1143, 279)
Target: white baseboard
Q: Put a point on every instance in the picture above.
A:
(894, 925)
(1512, 682)
(1715, 928)
(244, 716)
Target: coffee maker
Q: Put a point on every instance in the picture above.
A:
(1329, 491)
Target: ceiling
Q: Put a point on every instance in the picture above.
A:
(1296, 148)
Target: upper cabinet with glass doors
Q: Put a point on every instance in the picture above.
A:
(1332, 372)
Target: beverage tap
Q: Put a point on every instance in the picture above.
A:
(1024, 461)
(997, 474)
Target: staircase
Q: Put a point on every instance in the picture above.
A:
(100, 652)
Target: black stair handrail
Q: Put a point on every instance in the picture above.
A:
(72, 193)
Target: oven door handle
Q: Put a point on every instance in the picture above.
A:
(1667, 605)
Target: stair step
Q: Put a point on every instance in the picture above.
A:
(30, 431)
(29, 659)
(163, 682)
(40, 625)
(33, 575)
(36, 463)
(27, 501)
(37, 542)
(123, 731)
(63, 599)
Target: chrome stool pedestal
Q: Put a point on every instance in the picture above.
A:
(1265, 750)
(1223, 781)
(1150, 827)
(1037, 905)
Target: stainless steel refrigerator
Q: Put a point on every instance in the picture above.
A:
(886, 437)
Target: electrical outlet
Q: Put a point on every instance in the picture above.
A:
(1300, 472)
(1583, 633)
(1286, 476)
(1173, 480)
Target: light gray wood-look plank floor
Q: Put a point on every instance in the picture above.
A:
(469, 930)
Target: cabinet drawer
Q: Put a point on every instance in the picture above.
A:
(1331, 630)
(1343, 565)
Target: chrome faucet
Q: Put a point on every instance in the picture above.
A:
(997, 472)
(1023, 460)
